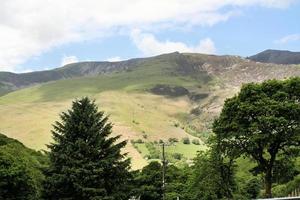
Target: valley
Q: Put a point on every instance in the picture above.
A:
(168, 96)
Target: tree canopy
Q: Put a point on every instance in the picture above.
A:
(20, 170)
(263, 122)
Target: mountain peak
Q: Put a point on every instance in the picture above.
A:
(277, 57)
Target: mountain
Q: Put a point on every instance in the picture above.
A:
(277, 57)
(167, 96)
(11, 81)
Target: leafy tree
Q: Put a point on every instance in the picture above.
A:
(213, 176)
(178, 182)
(149, 182)
(263, 122)
(20, 170)
(252, 188)
(85, 160)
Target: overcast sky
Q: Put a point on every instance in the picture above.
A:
(43, 34)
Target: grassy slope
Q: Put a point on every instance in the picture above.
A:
(27, 114)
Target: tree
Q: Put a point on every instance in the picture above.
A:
(149, 182)
(178, 182)
(263, 122)
(20, 174)
(213, 176)
(85, 160)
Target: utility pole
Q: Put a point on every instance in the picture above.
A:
(164, 170)
(164, 165)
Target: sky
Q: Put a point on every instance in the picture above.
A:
(45, 34)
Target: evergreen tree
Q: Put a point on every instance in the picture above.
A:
(85, 160)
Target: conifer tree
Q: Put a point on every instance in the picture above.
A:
(85, 160)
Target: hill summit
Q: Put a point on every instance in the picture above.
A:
(277, 57)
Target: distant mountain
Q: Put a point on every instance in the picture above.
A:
(172, 95)
(277, 57)
(12, 81)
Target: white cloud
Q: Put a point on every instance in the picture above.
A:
(114, 59)
(29, 28)
(288, 38)
(149, 45)
(68, 60)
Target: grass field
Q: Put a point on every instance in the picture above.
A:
(27, 114)
(188, 151)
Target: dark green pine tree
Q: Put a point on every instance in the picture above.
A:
(85, 160)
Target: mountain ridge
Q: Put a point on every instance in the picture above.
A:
(277, 57)
(167, 96)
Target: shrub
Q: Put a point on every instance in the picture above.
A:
(145, 136)
(252, 188)
(196, 141)
(153, 151)
(173, 140)
(177, 156)
(139, 141)
(186, 140)
(135, 122)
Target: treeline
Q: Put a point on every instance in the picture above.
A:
(258, 129)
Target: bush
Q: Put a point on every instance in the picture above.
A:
(145, 136)
(173, 140)
(153, 151)
(177, 156)
(139, 141)
(186, 140)
(176, 124)
(252, 188)
(135, 122)
(280, 191)
(196, 141)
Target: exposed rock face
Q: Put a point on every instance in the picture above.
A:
(229, 70)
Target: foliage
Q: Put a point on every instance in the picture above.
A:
(154, 152)
(213, 176)
(186, 140)
(263, 122)
(252, 188)
(196, 141)
(20, 170)
(177, 156)
(173, 140)
(85, 160)
(148, 182)
(283, 190)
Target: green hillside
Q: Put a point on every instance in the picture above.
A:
(168, 96)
